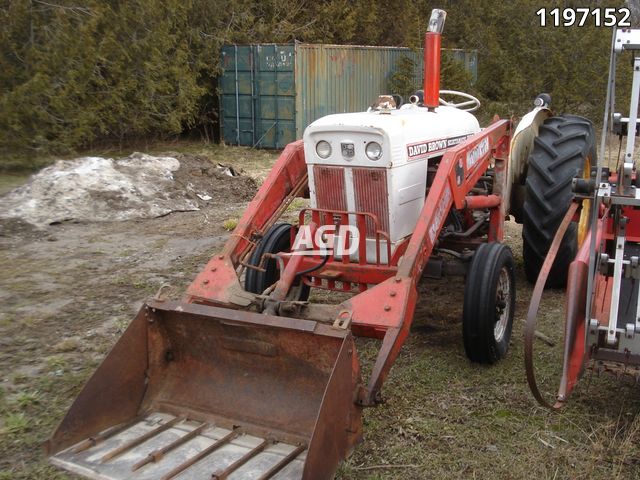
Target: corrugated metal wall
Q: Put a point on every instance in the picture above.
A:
(270, 93)
(339, 79)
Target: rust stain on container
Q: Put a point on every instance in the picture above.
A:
(271, 92)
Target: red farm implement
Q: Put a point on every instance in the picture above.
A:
(602, 310)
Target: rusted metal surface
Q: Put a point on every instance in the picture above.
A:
(331, 193)
(113, 395)
(178, 469)
(532, 314)
(102, 436)
(274, 377)
(619, 370)
(282, 463)
(626, 358)
(138, 440)
(329, 444)
(350, 272)
(271, 92)
(370, 185)
(224, 474)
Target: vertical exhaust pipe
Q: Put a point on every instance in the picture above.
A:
(432, 43)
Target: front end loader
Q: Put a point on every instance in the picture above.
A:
(596, 249)
(245, 377)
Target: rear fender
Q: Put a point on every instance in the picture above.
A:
(521, 146)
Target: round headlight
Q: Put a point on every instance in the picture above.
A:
(323, 149)
(373, 151)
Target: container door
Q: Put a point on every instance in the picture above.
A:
(237, 85)
(275, 103)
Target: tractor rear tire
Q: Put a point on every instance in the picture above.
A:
(564, 147)
(489, 303)
(276, 240)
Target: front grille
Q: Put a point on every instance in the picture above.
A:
(370, 186)
(331, 193)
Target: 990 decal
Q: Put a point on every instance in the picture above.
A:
(580, 17)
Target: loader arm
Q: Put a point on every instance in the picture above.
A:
(388, 308)
(217, 283)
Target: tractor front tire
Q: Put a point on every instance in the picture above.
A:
(489, 303)
(563, 149)
(276, 240)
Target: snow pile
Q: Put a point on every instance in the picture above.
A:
(99, 189)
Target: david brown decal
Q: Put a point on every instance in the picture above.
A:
(452, 142)
(429, 147)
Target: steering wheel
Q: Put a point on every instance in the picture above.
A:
(471, 103)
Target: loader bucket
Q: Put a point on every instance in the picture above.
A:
(193, 391)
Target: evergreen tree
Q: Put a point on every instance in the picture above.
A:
(73, 72)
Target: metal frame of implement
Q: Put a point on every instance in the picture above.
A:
(602, 311)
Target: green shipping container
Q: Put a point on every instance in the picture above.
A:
(270, 93)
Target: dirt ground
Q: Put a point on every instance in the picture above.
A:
(68, 292)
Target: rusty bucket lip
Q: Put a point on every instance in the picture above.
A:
(247, 317)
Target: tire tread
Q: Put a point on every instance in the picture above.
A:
(558, 155)
(479, 303)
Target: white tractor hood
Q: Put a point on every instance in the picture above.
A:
(406, 134)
